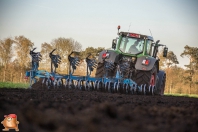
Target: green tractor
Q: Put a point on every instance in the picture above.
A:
(133, 56)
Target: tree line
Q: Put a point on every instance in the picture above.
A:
(15, 60)
(181, 80)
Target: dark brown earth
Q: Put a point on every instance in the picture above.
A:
(64, 110)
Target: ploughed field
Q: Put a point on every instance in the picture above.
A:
(64, 110)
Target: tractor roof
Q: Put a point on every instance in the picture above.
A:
(135, 35)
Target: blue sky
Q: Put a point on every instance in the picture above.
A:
(94, 22)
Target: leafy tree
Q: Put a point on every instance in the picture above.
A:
(6, 51)
(93, 51)
(169, 65)
(23, 46)
(174, 79)
(169, 60)
(192, 54)
(45, 50)
(5, 55)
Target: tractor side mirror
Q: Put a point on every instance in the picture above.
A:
(157, 41)
(114, 44)
(165, 52)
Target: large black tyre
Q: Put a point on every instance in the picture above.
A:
(145, 77)
(161, 83)
(100, 70)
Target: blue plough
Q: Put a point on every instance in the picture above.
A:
(52, 79)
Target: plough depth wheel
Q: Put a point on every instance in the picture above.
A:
(110, 88)
(99, 86)
(80, 85)
(48, 83)
(59, 83)
(88, 85)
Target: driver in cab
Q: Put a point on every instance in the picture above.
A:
(133, 48)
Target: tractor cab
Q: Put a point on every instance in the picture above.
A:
(133, 43)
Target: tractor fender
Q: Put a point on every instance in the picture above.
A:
(140, 66)
(160, 76)
(113, 56)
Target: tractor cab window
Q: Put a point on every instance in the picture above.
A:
(131, 45)
(149, 47)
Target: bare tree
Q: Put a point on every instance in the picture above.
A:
(64, 47)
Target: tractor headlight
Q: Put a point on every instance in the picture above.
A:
(105, 55)
(145, 62)
(133, 59)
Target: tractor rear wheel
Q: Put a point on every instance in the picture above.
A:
(146, 77)
(101, 72)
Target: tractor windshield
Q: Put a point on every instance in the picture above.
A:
(131, 45)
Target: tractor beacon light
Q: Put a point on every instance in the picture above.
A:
(118, 27)
(134, 35)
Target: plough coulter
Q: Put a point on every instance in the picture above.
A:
(131, 66)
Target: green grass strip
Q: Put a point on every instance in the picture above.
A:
(184, 95)
(13, 85)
